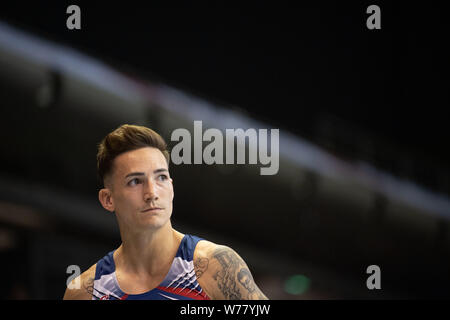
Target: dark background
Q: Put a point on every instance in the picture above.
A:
(289, 65)
(314, 70)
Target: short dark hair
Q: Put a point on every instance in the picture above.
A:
(126, 138)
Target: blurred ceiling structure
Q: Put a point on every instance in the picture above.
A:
(332, 203)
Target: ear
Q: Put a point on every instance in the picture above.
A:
(106, 199)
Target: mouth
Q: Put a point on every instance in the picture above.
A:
(154, 209)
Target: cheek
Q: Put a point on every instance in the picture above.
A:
(126, 200)
(168, 193)
(169, 199)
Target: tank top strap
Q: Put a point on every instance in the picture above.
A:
(187, 247)
(105, 265)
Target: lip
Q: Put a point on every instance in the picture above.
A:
(152, 209)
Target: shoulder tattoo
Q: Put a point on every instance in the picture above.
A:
(232, 273)
(89, 286)
(200, 266)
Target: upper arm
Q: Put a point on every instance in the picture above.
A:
(225, 275)
(81, 288)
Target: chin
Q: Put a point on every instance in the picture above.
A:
(154, 222)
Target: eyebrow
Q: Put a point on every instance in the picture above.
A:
(132, 174)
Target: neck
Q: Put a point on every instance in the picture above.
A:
(150, 252)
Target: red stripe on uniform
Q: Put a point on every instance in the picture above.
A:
(194, 294)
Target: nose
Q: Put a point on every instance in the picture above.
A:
(149, 192)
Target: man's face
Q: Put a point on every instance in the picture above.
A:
(141, 189)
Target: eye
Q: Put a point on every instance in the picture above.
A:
(163, 177)
(133, 182)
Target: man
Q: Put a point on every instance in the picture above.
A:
(154, 260)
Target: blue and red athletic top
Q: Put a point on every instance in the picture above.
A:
(180, 282)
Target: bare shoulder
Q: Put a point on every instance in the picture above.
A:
(202, 255)
(81, 288)
(223, 274)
